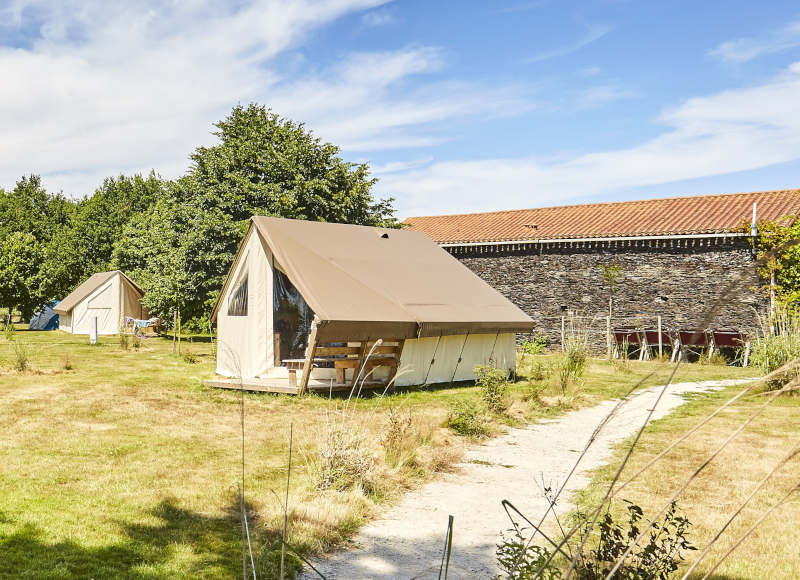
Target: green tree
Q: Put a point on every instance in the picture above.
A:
(85, 246)
(178, 254)
(268, 165)
(19, 264)
(778, 246)
(30, 209)
(180, 251)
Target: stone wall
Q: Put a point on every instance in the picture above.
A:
(682, 281)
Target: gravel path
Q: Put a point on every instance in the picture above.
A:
(407, 541)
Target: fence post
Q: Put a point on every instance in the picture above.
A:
(608, 336)
(660, 341)
(563, 340)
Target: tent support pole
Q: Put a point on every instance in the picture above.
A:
(312, 351)
(458, 362)
(433, 359)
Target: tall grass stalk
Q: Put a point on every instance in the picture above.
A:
(692, 477)
(22, 357)
(778, 343)
(794, 453)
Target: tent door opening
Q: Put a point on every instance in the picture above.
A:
(292, 318)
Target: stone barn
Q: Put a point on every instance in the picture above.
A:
(672, 257)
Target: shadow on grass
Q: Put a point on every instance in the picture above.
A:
(182, 543)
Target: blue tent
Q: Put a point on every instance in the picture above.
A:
(45, 319)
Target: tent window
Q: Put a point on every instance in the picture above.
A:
(292, 317)
(237, 306)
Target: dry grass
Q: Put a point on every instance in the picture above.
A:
(771, 552)
(126, 465)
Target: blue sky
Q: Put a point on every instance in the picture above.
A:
(457, 106)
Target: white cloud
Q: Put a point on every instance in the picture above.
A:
(378, 17)
(600, 95)
(593, 34)
(721, 133)
(746, 49)
(116, 87)
(110, 87)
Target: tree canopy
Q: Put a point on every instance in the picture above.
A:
(177, 239)
(181, 250)
(778, 250)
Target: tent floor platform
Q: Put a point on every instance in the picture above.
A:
(281, 385)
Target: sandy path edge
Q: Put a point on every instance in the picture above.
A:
(406, 542)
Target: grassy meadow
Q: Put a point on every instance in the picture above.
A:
(719, 490)
(120, 463)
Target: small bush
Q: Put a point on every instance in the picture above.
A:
(535, 345)
(124, 340)
(519, 562)
(494, 387)
(190, 357)
(467, 418)
(656, 557)
(533, 392)
(540, 371)
(344, 459)
(8, 331)
(572, 365)
(136, 341)
(66, 363)
(22, 357)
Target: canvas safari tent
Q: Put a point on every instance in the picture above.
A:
(306, 301)
(109, 296)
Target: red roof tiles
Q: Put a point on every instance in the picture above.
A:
(706, 214)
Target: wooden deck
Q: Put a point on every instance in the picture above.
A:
(281, 385)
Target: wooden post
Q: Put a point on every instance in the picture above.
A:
(660, 341)
(174, 330)
(276, 348)
(608, 336)
(309, 362)
(563, 340)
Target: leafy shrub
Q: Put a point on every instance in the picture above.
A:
(124, 340)
(655, 559)
(344, 459)
(535, 345)
(467, 418)
(8, 331)
(540, 370)
(494, 387)
(22, 357)
(136, 341)
(572, 365)
(190, 357)
(520, 563)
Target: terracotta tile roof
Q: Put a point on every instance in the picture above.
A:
(706, 214)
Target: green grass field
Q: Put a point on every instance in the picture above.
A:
(711, 498)
(126, 465)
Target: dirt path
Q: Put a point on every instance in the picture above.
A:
(407, 541)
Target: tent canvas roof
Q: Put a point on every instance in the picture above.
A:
(367, 282)
(89, 285)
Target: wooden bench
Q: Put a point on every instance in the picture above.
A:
(350, 357)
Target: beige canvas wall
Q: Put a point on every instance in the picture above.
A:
(244, 344)
(111, 303)
(102, 303)
(415, 361)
